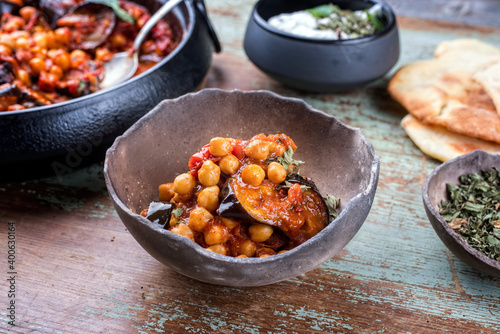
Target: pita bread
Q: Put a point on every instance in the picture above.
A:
(444, 91)
(439, 143)
(490, 80)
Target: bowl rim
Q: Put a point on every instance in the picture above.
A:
(391, 24)
(351, 205)
(187, 32)
(474, 155)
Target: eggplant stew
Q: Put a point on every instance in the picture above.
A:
(243, 198)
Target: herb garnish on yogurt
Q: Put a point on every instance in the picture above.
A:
(330, 22)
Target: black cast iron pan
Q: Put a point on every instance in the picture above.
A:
(55, 140)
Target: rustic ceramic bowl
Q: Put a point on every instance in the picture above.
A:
(319, 65)
(434, 191)
(156, 149)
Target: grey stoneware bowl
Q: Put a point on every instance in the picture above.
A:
(318, 65)
(59, 138)
(434, 191)
(156, 149)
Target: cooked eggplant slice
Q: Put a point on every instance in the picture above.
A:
(6, 72)
(295, 206)
(91, 23)
(160, 213)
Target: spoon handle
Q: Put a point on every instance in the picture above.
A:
(160, 13)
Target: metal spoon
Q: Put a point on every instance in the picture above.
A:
(123, 65)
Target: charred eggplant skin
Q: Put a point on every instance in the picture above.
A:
(231, 207)
(160, 213)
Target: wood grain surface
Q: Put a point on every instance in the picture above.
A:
(78, 270)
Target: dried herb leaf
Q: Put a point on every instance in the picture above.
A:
(288, 159)
(332, 203)
(472, 210)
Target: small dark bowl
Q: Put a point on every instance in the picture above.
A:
(434, 191)
(156, 149)
(318, 65)
(62, 136)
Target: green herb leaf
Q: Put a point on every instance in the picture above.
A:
(374, 19)
(321, 11)
(476, 201)
(177, 212)
(332, 203)
(115, 6)
(288, 159)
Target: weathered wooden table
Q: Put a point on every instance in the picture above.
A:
(78, 270)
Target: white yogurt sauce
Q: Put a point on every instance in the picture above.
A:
(301, 24)
(304, 24)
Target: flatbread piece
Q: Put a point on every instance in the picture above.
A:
(444, 91)
(439, 143)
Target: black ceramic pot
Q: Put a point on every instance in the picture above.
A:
(319, 65)
(62, 137)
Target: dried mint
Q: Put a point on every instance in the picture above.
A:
(473, 210)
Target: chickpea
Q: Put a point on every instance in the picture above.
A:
(78, 54)
(216, 234)
(26, 12)
(166, 192)
(60, 58)
(182, 198)
(118, 40)
(242, 256)
(22, 43)
(257, 149)
(229, 164)
(248, 248)
(199, 218)
(184, 183)
(56, 71)
(209, 198)
(24, 77)
(184, 230)
(276, 173)
(229, 223)
(253, 175)
(103, 54)
(173, 221)
(209, 173)
(38, 52)
(220, 146)
(5, 50)
(62, 35)
(260, 232)
(7, 40)
(219, 249)
(51, 40)
(37, 65)
(40, 40)
(265, 252)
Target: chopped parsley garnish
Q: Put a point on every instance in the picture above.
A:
(177, 212)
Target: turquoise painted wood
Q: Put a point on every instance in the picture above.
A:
(79, 270)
